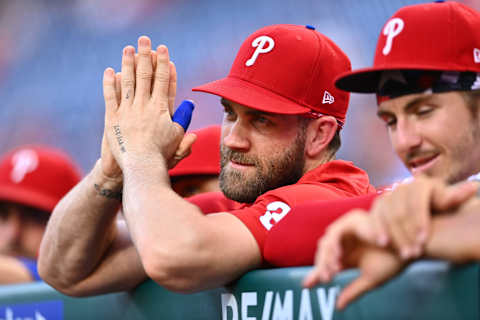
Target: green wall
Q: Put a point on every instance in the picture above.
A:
(425, 290)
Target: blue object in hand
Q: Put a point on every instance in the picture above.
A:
(183, 114)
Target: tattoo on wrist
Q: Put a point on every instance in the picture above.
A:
(118, 135)
(107, 193)
(128, 94)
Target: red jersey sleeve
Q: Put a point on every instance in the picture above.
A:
(262, 215)
(212, 202)
(293, 241)
(275, 205)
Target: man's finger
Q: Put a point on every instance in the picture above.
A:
(154, 59)
(185, 146)
(144, 69)
(109, 94)
(388, 217)
(312, 278)
(128, 75)
(454, 195)
(118, 86)
(172, 88)
(318, 273)
(183, 114)
(417, 217)
(183, 150)
(162, 78)
(382, 238)
(353, 290)
(399, 239)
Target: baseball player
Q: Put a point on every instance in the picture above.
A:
(32, 180)
(426, 76)
(198, 172)
(280, 133)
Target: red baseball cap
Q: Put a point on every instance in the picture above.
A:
(286, 69)
(205, 156)
(440, 36)
(36, 176)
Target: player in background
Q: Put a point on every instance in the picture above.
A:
(198, 172)
(32, 180)
(426, 76)
(280, 133)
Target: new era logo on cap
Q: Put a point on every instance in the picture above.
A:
(328, 98)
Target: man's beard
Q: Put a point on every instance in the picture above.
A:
(270, 174)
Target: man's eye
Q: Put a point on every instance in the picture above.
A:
(389, 121)
(229, 114)
(262, 120)
(424, 110)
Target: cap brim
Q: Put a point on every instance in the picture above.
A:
(252, 96)
(361, 81)
(27, 198)
(366, 80)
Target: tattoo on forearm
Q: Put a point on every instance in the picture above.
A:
(107, 193)
(119, 136)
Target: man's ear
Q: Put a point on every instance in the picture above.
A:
(319, 134)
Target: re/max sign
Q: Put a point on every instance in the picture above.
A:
(281, 305)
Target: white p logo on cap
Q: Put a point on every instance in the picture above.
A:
(391, 30)
(259, 43)
(23, 161)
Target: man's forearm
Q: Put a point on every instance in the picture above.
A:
(151, 207)
(80, 230)
(170, 234)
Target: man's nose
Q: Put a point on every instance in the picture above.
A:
(405, 138)
(11, 231)
(235, 136)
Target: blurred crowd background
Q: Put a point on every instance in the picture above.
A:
(53, 53)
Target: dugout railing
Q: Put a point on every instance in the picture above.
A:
(425, 290)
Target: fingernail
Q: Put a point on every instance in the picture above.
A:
(162, 49)
(109, 72)
(144, 41)
(128, 51)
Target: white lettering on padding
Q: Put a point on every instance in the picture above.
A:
(327, 302)
(283, 311)
(305, 312)
(248, 299)
(228, 300)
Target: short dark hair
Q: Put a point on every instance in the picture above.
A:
(333, 145)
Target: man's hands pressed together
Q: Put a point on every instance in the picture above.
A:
(138, 114)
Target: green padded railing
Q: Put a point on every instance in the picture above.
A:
(426, 290)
